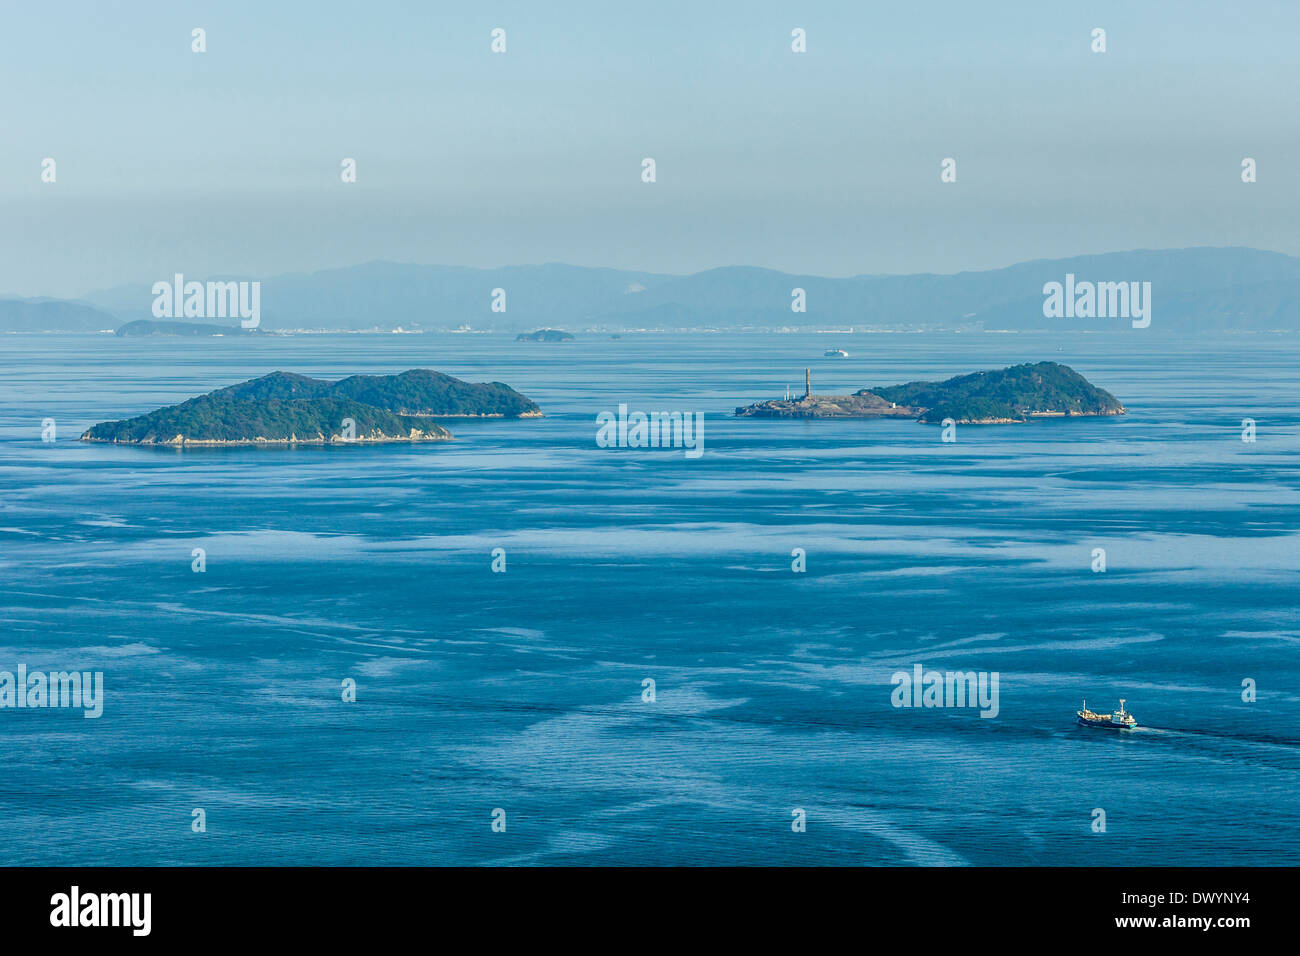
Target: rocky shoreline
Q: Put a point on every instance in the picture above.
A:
(858, 405)
(416, 435)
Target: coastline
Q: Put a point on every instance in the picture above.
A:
(182, 442)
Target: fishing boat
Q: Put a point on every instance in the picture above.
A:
(1119, 720)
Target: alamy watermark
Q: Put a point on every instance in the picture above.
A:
(683, 430)
(84, 689)
(1098, 300)
(923, 688)
(75, 908)
(210, 300)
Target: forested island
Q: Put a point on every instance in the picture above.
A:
(1007, 396)
(286, 408)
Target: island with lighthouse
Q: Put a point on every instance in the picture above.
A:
(1001, 397)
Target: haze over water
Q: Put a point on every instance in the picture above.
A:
(522, 690)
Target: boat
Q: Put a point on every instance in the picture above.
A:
(835, 353)
(1119, 720)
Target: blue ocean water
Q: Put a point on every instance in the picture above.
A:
(523, 691)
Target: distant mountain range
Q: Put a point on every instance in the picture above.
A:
(53, 315)
(1199, 289)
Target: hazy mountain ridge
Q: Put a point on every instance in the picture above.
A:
(1198, 289)
(53, 315)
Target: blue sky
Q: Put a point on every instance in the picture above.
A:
(825, 162)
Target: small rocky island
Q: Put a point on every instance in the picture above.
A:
(544, 335)
(1003, 397)
(289, 409)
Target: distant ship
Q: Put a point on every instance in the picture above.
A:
(835, 353)
(1119, 720)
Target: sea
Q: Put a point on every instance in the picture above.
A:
(678, 660)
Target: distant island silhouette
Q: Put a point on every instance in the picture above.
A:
(165, 327)
(544, 335)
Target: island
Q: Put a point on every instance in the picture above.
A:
(288, 409)
(544, 335)
(156, 327)
(1003, 397)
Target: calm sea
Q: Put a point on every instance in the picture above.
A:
(523, 691)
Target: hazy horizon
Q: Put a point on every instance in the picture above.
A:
(824, 162)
